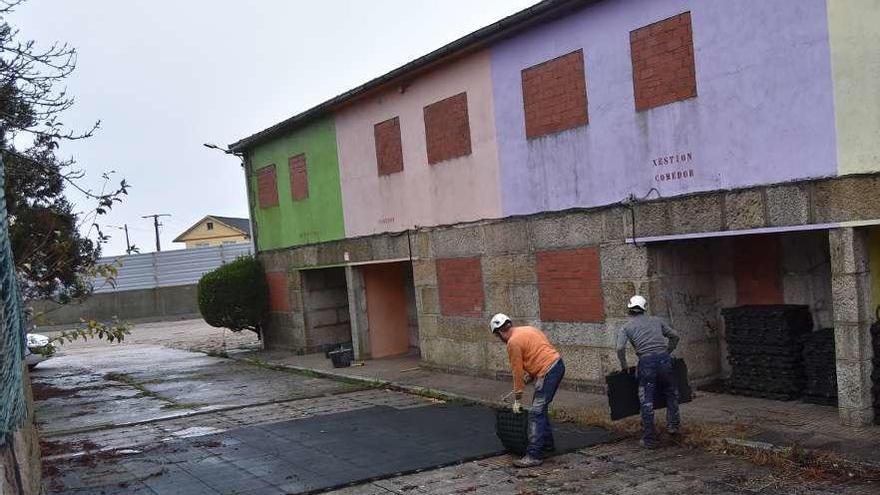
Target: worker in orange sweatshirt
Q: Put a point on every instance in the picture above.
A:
(530, 352)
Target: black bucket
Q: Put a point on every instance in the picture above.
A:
(342, 358)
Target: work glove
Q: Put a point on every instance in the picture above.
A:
(517, 408)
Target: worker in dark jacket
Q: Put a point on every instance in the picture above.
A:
(654, 341)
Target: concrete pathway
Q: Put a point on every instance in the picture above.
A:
(143, 418)
(146, 417)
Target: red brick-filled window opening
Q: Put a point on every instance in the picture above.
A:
(267, 187)
(460, 284)
(389, 150)
(447, 130)
(555, 95)
(299, 177)
(570, 285)
(279, 299)
(757, 270)
(663, 62)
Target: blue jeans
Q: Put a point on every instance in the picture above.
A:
(655, 372)
(540, 431)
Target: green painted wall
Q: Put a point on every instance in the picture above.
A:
(854, 38)
(315, 219)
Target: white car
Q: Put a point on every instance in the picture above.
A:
(38, 349)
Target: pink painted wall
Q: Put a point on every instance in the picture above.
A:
(457, 190)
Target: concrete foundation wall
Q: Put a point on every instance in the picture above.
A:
(687, 281)
(20, 466)
(144, 304)
(685, 292)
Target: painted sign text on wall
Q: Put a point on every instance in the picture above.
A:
(674, 160)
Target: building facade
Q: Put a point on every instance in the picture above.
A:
(706, 154)
(215, 230)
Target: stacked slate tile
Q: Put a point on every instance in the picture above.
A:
(765, 349)
(820, 368)
(875, 373)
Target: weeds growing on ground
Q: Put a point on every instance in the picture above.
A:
(221, 353)
(791, 462)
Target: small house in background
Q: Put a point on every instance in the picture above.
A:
(214, 231)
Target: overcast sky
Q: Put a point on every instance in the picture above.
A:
(166, 76)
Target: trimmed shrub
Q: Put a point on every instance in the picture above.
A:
(235, 296)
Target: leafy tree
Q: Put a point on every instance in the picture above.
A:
(55, 246)
(235, 296)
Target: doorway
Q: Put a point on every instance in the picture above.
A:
(391, 312)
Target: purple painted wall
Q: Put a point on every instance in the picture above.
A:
(764, 111)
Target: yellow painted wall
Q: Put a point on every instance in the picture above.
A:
(215, 241)
(854, 32)
(874, 242)
(220, 233)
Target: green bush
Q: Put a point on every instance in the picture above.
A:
(235, 296)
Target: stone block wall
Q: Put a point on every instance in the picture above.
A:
(686, 281)
(325, 308)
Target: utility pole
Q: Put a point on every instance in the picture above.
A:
(156, 225)
(127, 242)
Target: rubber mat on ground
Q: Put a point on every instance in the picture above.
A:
(623, 391)
(335, 450)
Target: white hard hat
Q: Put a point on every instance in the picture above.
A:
(498, 321)
(638, 302)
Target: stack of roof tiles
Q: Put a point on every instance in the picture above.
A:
(820, 368)
(765, 349)
(875, 374)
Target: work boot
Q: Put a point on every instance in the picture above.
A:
(648, 444)
(527, 461)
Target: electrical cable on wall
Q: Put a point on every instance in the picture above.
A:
(630, 203)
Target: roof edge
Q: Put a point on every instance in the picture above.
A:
(505, 27)
(206, 217)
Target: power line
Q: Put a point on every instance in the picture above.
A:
(156, 225)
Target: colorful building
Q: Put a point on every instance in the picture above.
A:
(706, 154)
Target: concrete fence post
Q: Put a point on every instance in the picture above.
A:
(155, 260)
(851, 292)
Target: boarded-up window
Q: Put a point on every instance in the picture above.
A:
(447, 130)
(460, 284)
(757, 270)
(555, 95)
(663, 62)
(279, 296)
(570, 285)
(389, 150)
(299, 177)
(267, 187)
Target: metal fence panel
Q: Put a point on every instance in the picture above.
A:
(167, 268)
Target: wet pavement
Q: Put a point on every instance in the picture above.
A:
(146, 417)
(98, 386)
